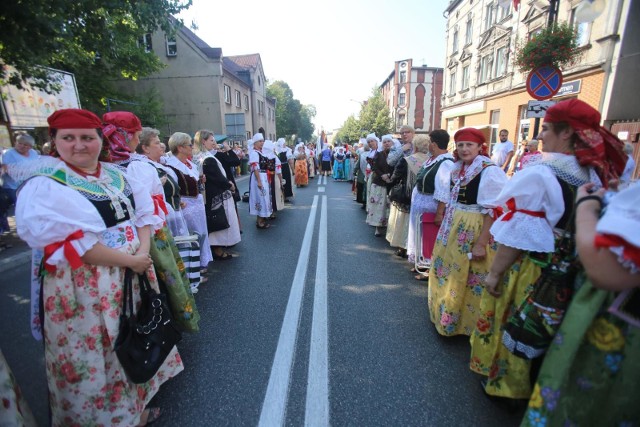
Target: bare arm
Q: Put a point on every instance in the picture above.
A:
(506, 163)
(600, 264)
(505, 257)
(100, 254)
(479, 250)
(144, 235)
(439, 213)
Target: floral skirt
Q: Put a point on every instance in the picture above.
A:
(377, 206)
(398, 227)
(508, 375)
(82, 307)
(455, 282)
(301, 172)
(260, 200)
(590, 375)
(15, 410)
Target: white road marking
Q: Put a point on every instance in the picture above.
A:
(275, 400)
(320, 189)
(317, 406)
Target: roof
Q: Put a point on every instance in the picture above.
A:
(251, 60)
(210, 52)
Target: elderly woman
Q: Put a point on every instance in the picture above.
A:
(189, 178)
(274, 174)
(380, 179)
(122, 130)
(219, 191)
(361, 172)
(404, 177)
(22, 152)
(464, 248)
(259, 187)
(430, 196)
(539, 222)
(81, 211)
(301, 166)
(151, 147)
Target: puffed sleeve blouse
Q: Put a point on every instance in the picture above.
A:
(48, 212)
(535, 202)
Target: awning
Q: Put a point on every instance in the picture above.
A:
(221, 138)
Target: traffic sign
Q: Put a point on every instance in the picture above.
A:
(544, 82)
(537, 109)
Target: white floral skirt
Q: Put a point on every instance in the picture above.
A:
(377, 206)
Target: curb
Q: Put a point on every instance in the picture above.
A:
(15, 261)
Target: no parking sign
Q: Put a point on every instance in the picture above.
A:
(544, 82)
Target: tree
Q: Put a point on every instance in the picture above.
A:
(292, 118)
(97, 40)
(374, 117)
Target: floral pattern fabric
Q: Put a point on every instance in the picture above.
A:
(14, 410)
(508, 375)
(455, 282)
(87, 385)
(590, 375)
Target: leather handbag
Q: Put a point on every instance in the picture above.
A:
(145, 338)
(217, 218)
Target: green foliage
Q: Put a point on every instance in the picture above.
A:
(374, 117)
(292, 118)
(97, 40)
(556, 46)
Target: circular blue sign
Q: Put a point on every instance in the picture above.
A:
(544, 82)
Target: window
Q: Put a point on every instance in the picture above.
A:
(525, 123)
(227, 94)
(145, 41)
(488, 16)
(248, 136)
(495, 124)
(261, 108)
(400, 119)
(469, 35)
(502, 12)
(402, 98)
(452, 83)
(465, 78)
(172, 46)
(533, 33)
(583, 29)
(259, 81)
(403, 76)
(485, 69)
(455, 41)
(501, 62)
(238, 103)
(246, 102)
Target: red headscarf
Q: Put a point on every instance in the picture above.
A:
(75, 118)
(596, 146)
(119, 128)
(470, 135)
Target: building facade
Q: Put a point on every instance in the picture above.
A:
(482, 87)
(202, 89)
(413, 94)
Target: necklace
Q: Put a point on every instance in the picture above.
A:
(85, 174)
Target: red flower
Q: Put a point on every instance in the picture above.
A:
(90, 341)
(129, 234)
(482, 325)
(50, 305)
(493, 372)
(99, 402)
(69, 371)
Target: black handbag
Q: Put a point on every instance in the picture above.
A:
(146, 337)
(398, 195)
(245, 196)
(217, 218)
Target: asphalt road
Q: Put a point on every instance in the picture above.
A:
(315, 322)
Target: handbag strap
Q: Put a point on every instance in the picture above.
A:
(127, 294)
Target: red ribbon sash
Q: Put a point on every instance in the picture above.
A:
(70, 252)
(511, 205)
(159, 204)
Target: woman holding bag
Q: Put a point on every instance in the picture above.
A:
(222, 221)
(93, 221)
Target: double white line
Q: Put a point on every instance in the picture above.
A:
(317, 400)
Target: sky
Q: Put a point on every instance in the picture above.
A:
(331, 53)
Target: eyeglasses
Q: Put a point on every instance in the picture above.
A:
(405, 131)
(188, 145)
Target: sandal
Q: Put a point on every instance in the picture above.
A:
(421, 277)
(223, 257)
(263, 226)
(152, 416)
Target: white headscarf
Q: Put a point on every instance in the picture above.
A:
(268, 149)
(281, 146)
(372, 136)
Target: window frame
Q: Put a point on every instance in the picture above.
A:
(246, 102)
(173, 42)
(452, 83)
(465, 76)
(227, 94)
(501, 60)
(238, 99)
(468, 37)
(146, 40)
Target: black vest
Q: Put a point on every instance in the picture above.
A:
(426, 179)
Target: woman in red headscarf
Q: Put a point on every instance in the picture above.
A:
(537, 229)
(122, 130)
(93, 222)
(464, 249)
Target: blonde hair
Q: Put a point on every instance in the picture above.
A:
(421, 143)
(178, 139)
(199, 138)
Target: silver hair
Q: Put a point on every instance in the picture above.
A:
(178, 139)
(25, 138)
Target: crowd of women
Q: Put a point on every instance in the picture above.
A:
(540, 270)
(106, 200)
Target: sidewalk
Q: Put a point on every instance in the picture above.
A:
(17, 251)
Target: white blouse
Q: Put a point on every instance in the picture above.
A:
(535, 188)
(48, 212)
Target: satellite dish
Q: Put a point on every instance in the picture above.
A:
(589, 10)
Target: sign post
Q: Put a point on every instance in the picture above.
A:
(542, 84)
